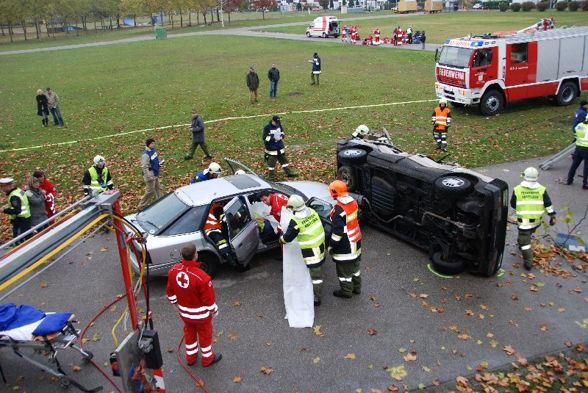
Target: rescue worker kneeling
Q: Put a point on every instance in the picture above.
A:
(190, 289)
(213, 228)
(345, 242)
(307, 228)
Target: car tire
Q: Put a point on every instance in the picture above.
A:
(446, 267)
(567, 94)
(352, 156)
(453, 185)
(209, 263)
(347, 174)
(492, 103)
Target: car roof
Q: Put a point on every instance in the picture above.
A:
(203, 193)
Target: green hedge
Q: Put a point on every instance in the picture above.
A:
(561, 6)
(503, 7)
(573, 5)
(585, 5)
(515, 7)
(542, 6)
(528, 6)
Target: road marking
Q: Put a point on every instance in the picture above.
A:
(231, 118)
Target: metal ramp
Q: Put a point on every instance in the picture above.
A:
(551, 161)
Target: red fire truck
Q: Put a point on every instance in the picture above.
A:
(495, 69)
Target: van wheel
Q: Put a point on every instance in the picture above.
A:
(453, 185)
(324, 35)
(567, 94)
(209, 263)
(308, 34)
(492, 103)
(347, 174)
(446, 267)
(352, 156)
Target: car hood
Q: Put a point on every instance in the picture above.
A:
(312, 189)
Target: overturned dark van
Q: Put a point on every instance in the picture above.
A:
(455, 214)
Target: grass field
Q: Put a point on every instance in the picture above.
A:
(441, 26)
(112, 89)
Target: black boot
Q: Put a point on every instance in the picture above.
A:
(340, 293)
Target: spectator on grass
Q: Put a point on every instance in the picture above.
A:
(43, 107)
(53, 100)
(198, 138)
(316, 69)
(36, 196)
(423, 39)
(274, 76)
(150, 165)
(253, 84)
(50, 192)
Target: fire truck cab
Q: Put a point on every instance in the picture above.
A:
(492, 70)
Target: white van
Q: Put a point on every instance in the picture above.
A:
(323, 26)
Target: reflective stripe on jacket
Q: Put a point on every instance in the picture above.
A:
(311, 236)
(346, 236)
(25, 210)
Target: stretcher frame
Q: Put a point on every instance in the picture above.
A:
(51, 345)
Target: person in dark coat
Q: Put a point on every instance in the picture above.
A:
(423, 39)
(198, 139)
(274, 76)
(43, 107)
(316, 69)
(253, 84)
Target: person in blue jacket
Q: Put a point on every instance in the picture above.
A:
(580, 114)
(213, 171)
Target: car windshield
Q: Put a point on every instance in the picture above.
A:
(455, 57)
(287, 190)
(160, 214)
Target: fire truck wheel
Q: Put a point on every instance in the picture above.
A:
(567, 94)
(492, 103)
(347, 174)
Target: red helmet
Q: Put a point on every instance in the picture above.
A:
(338, 188)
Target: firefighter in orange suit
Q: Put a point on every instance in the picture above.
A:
(441, 123)
(345, 241)
(190, 289)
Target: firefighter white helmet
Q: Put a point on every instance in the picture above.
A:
(215, 168)
(240, 172)
(362, 130)
(442, 101)
(296, 203)
(531, 174)
(99, 160)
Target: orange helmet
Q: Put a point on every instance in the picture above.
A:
(338, 188)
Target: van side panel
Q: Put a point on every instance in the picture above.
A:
(547, 63)
(571, 56)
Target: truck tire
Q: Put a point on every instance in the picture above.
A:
(492, 103)
(352, 156)
(446, 267)
(567, 94)
(347, 174)
(453, 185)
(209, 263)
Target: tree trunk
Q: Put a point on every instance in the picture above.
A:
(217, 15)
(37, 28)
(190, 18)
(172, 21)
(211, 16)
(198, 18)
(95, 27)
(204, 16)
(10, 32)
(110, 22)
(263, 14)
(2, 29)
(47, 28)
(24, 28)
(118, 21)
(181, 19)
(229, 17)
(134, 20)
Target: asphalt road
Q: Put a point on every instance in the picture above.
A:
(251, 333)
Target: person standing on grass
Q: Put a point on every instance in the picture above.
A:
(253, 84)
(18, 210)
(423, 39)
(150, 166)
(43, 107)
(36, 196)
(198, 138)
(50, 192)
(274, 76)
(316, 69)
(53, 100)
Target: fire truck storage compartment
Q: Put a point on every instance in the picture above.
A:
(570, 56)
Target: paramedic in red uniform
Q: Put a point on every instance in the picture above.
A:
(190, 289)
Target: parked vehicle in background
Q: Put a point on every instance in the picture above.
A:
(495, 69)
(478, 6)
(324, 26)
(458, 216)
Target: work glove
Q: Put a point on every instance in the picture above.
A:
(552, 220)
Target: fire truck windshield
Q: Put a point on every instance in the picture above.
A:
(452, 56)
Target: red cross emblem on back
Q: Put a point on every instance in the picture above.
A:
(183, 280)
